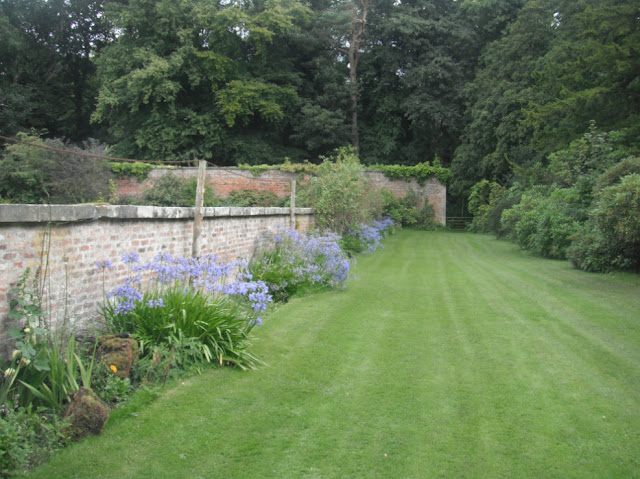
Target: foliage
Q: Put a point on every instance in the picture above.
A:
(545, 220)
(29, 174)
(187, 303)
(60, 363)
(418, 56)
(611, 238)
(256, 170)
(585, 158)
(421, 172)
(133, 168)
(109, 387)
(590, 73)
(27, 438)
(484, 85)
(288, 166)
(367, 238)
(494, 215)
(614, 174)
(555, 216)
(494, 135)
(410, 211)
(158, 77)
(174, 190)
(482, 200)
(342, 197)
(43, 368)
(559, 66)
(254, 198)
(293, 263)
(47, 75)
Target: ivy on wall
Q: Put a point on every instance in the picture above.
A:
(421, 172)
(138, 169)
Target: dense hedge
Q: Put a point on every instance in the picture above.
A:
(583, 204)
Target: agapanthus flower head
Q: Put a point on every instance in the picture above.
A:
(130, 258)
(103, 265)
(205, 274)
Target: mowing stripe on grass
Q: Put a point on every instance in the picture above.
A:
(450, 355)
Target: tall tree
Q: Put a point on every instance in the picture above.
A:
(361, 10)
(412, 79)
(592, 72)
(46, 71)
(185, 77)
(503, 85)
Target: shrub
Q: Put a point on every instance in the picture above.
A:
(367, 238)
(342, 197)
(611, 238)
(545, 220)
(174, 190)
(247, 198)
(29, 174)
(585, 158)
(27, 439)
(408, 211)
(483, 198)
(133, 168)
(188, 298)
(494, 216)
(292, 263)
(614, 174)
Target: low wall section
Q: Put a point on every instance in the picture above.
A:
(61, 245)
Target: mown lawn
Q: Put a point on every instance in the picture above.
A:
(451, 355)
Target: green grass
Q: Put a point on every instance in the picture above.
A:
(451, 355)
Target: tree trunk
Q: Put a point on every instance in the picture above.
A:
(361, 10)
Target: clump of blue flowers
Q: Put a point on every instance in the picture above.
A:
(368, 238)
(293, 262)
(171, 298)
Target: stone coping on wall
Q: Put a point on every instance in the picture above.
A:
(71, 213)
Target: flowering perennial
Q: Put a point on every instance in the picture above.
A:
(206, 274)
(370, 236)
(314, 257)
(292, 262)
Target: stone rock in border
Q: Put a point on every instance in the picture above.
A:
(120, 351)
(87, 415)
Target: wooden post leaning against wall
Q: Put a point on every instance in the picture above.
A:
(292, 214)
(197, 216)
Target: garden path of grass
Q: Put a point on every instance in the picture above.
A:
(451, 355)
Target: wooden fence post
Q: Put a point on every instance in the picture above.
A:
(292, 212)
(197, 216)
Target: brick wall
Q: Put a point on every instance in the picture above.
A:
(68, 240)
(225, 180)
(432, 191)
(222, 180)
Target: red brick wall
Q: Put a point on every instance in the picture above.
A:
(222, 180)
(225, 180)
(72, 247)
(432, 191)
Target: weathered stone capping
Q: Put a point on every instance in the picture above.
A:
(66, 241)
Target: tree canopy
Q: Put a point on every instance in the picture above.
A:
(485, 86)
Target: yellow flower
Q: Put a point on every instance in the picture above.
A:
(113, 369)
